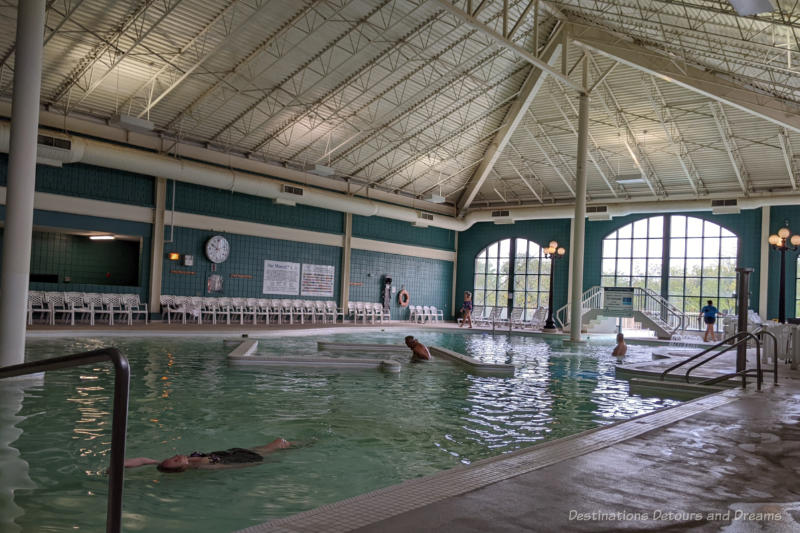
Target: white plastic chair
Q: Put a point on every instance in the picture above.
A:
(320, 311)
(37, 304)
(287, 311)
(113, 303)
(98, 308)
(58, 306)
(436, 315)
(135, 307)
(332, 311)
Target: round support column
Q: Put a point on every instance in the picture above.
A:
(579, 226)
(21, 181)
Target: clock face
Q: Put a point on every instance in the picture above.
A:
(217, 249)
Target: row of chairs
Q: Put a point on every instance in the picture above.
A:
(89, 306)
(499, 317)
(371, 311)
(425, 313)
(269, 310)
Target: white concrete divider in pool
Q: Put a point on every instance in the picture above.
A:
(471, 363)
(242, 355)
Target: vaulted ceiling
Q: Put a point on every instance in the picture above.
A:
(476, 101)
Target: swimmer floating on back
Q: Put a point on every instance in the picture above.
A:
(230, 458)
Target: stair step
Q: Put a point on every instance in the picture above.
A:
(672, 389)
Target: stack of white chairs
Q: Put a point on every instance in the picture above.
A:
(332, 311)
(99, 310)
(538, 319)
(135, 307)
(415, 313)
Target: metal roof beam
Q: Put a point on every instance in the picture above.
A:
(591, 137)
(788, 156)
(506, 43)
(726, 134)
(674, 135)
(549, 159)
(222, 24)
(674, 70)
(530, 88)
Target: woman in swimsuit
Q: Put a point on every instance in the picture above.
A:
(466, 309)
(230, 458)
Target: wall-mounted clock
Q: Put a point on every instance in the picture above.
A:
(217, 249)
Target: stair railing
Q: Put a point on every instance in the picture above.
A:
(592, 298)
(658, 308)
(119, 426)
(739, 338)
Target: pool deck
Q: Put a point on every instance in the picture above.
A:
(728, 461)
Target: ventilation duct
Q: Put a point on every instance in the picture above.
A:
(108, 155)
(725, 207)
(597, 212)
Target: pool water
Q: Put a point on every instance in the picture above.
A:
(360, 430)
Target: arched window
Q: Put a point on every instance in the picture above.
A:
(699, 259)
(508, 263)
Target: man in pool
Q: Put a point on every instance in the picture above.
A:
(231, 458)
(621, 348)
(419, 351)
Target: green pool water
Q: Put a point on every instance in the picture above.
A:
(362, 430)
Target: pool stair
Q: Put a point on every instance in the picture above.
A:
(679, 390)
(472, 364)
(242, 356)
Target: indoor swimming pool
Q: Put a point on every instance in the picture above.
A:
(359, 430)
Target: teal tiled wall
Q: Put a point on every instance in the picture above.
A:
(83, 261)
(479, 236)
(390, 230)
(428, 281)
(87, 181)
(746, 225)
(191, 198)
(246, 258)
(777, 216)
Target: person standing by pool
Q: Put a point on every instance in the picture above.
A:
(230, 458)
(420, 351)
(709, 314)
(466, 309)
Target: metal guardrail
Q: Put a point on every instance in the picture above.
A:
(119, 426)
(745, 335)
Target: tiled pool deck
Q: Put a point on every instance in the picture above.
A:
(729, 461)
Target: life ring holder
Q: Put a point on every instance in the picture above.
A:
(403, 298)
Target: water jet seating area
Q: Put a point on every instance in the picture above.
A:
(243, 355)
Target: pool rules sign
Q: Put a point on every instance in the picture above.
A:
(281, 277)
(618, 301)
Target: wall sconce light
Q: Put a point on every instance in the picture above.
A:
(173, 256)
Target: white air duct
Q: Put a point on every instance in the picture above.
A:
(127, 159)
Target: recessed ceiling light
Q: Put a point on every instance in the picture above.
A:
(102, 237)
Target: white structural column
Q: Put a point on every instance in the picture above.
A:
(157, 246)
(763, 265)
(21, 181)
(455, 273)
(579, 221)
(346, 247)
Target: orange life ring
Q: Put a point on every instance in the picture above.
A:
(403, 298)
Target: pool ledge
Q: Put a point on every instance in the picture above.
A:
(383, 504)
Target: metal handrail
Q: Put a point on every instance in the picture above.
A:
(763, 331)
(718, 345)
(119, 426)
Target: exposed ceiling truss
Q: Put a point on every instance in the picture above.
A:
(474, 100)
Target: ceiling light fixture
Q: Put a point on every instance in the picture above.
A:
(101, 237)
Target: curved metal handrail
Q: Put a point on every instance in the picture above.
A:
(715, 346)
(747, 335)
(119, 426)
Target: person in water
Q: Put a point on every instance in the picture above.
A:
(621, 348)
(466, 309)
(419, 351)
(230, 458)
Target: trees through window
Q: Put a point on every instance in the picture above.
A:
(512, 265)
(699, 260)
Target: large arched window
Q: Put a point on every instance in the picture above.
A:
(699, 259)
(512, 263)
